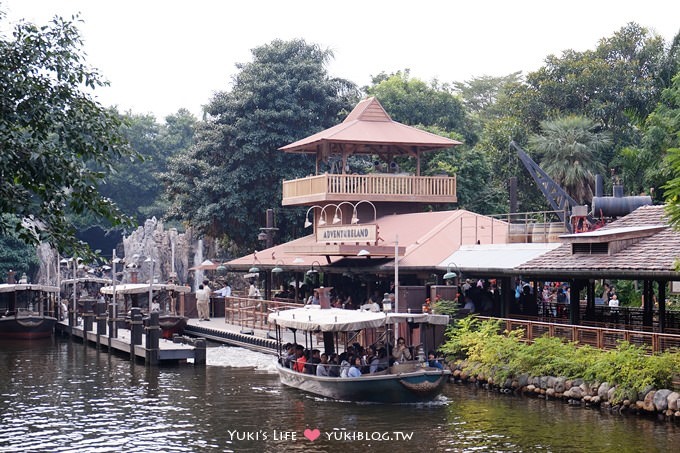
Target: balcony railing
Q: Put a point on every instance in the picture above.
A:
(371, 187)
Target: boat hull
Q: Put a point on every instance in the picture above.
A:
(413, 386)
(26, 327)
(171, 324)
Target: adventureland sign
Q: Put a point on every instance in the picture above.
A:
(339, 234)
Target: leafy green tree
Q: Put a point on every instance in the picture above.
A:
(17, 256)
(569, 150)
(53, 134)
(233, 173)
(664, 132)
(617, 85)
(135, 185)
(412, 101)
(481, 96)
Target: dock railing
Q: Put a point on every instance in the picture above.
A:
(253, 313)
(598, 337)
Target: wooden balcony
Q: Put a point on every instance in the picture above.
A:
(372, 187)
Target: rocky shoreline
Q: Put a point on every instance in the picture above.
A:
(662, 403)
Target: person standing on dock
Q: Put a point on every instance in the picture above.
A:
(202, 299)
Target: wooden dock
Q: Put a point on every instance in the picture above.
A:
(140, 342)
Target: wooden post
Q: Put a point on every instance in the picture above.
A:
(153, 333)
(199, 352)
(101, 321)
(135, 330)
(88, 315)
(662, 305)
(647, 304)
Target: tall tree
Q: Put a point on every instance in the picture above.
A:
(233, 173)
(569, 147)
(411, 101)
(52, 135)
(135, 185)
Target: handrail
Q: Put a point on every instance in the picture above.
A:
(599, 337)
(378, 184)
(252, 313)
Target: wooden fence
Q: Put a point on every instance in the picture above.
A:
(598, 337)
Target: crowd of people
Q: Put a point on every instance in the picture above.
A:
(356, 361)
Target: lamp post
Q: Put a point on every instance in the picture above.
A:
(355, 216)
(307, 222)
(114, 312)
(450, 274)
(313, 272)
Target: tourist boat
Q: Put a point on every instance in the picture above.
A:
(407, 382)
(170, 321)
(86, 290)
(25, 310)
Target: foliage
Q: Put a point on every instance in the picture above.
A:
(568, 147)
(480, 342)
(446, 307)
(233, 173)
(503, 355)
(631, 367)
(414, 102)
(17, 256)
(53, 134)
(135, 185)
(617, 85)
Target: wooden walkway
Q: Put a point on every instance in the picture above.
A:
(148, 346)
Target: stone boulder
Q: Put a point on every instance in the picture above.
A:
(673, 401)
(603, 391)
(648, 402)
(661, 399)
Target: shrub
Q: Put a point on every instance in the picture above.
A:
(503, 354)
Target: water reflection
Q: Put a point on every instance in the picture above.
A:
(63, 396)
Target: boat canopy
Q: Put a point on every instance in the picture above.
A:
(103, 281)
(420, 318)
(139, 288)
(8, 288)
(312, 318)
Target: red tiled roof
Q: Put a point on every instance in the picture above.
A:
(652, 256)
(369, 126)
(428, 238)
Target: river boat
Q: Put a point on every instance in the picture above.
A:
(162, 300)
(406, 382)
(25, 311)
(86, 290)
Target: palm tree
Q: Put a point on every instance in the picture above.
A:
(570, 149)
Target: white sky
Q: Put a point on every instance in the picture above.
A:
(161, 55)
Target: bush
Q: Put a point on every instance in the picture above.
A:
(503, 354)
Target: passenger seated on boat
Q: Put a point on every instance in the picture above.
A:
(372, 359)
(433, 362)
(333, 366)
(155, 305)
(300, 359)
(355, 368)
(401, 353)
(288, 355)
(323, 369)
(383, 360)
(344, 364)
(314, 359)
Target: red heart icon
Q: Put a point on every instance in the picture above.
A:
(312, 434)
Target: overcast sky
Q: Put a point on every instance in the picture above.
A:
(161, 55)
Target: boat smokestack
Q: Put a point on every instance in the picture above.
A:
(599, 185)
(11, 280)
